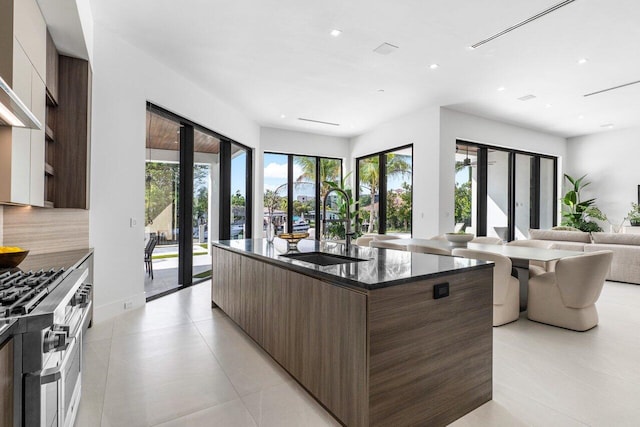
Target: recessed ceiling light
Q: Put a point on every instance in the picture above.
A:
(335, 33)
(282, 116)
(582, 61)
(501, 89)
(607, 125)
(434, 66)
(548, 106)
(380, 90)
(581, 117)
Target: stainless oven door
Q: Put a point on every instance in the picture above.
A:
(60, 388)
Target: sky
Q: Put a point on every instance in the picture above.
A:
(238, 174)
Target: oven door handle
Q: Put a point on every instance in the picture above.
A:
(52, 375)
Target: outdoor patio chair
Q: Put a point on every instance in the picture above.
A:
(148, 252)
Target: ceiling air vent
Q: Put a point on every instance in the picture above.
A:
(612, 88)
(318, 121)
(385, 49)
(527, 97)
(522, 23)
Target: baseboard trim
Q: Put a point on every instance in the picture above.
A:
(107, 311)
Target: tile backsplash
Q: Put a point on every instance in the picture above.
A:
(44, 230)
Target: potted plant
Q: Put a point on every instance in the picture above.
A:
(634, 215)
(580, 213)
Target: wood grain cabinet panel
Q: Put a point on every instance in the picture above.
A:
(52, 69)
(223, 279)
(275, 318)
(73, 134)
(6, 384)
(216, 276)
(252, 297)
(426, 350)
(234, 289)
(385, 357)
(329, 346)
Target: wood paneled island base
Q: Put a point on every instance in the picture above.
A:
(388, 356)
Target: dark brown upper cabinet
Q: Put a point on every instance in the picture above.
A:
(73, 134)
(52, 71)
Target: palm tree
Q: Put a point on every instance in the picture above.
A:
(369, 171)
(330, 171)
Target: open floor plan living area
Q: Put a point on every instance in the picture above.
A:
(279, 213)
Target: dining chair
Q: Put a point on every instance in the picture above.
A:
(364, 241)
(506, 288)
(384, 245)
(427, 250)
(567, 297)
(536, 268)
(487, 240)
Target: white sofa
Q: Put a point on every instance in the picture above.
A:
(625, 266)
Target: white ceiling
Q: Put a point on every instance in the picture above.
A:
(276, 57)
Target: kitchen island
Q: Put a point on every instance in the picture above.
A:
(384, 338)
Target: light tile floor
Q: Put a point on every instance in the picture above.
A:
(177, 362)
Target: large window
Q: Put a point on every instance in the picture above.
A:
(385, 191)
(502, 193)
(294, 187)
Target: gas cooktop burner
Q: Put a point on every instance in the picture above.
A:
(20, 291)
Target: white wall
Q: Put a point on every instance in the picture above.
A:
(125, 77)
(455, 125)
(293, 142)
(422, 129)
(611, 160)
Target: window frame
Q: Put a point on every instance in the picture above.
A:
(382, 164)
(290, 182)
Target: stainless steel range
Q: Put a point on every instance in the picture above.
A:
(52, 309)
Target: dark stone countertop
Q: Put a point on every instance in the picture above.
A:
(382, 268)
(66, 259)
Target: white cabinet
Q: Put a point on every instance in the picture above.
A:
(22, 154)
(30, 30)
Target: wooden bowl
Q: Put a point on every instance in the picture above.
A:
(12, 259)
(293, 238)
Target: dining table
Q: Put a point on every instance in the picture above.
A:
(519, 255)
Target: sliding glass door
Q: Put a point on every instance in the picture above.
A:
(504, 192)
(190, 175)
(205, 200)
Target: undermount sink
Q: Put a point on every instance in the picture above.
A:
(323, 259)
